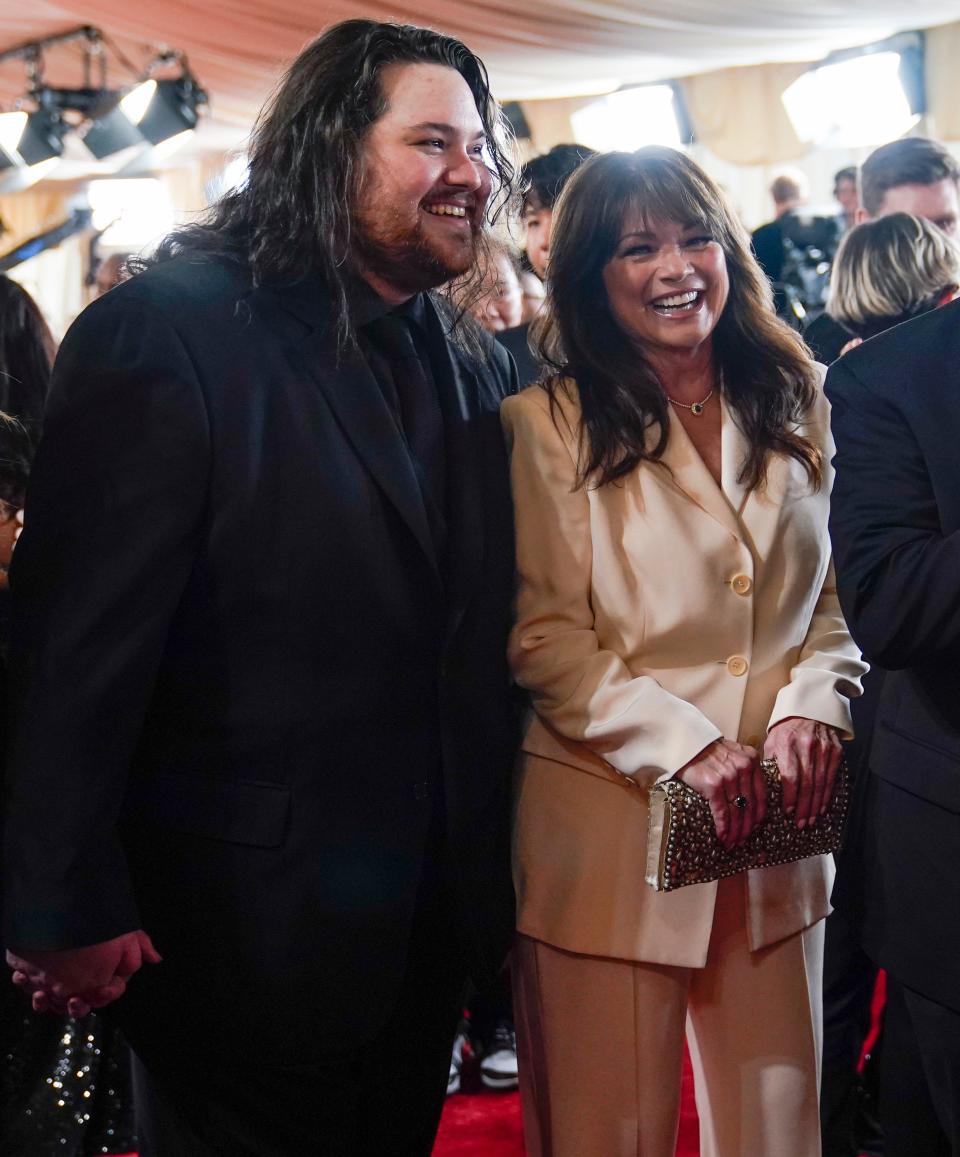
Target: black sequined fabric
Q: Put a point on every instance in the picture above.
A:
(64, 1084)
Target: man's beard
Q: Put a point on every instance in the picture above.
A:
(407, 258)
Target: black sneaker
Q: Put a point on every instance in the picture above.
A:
(498, 1058)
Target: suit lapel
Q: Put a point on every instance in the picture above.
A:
(762, 508)
(459, 398)
(690, 474)
(733, 454)
(361, 410)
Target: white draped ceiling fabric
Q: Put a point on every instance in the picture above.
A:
(564, 48)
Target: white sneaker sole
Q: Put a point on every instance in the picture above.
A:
(499, 1083)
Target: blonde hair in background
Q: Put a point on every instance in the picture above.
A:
(890, 267)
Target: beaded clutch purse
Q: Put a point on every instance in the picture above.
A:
(682, 844)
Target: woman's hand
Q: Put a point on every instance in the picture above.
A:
(808, 754)
(728, 776)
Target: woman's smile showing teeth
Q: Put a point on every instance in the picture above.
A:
(674, 303)
(667, 282)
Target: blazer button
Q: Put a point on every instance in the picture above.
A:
(421, 790)
(741, 584)
(737, 665)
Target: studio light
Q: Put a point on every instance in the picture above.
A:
(111, 133)
(137, 101)
(631, 118)
(855, 103)
(173, 109)
(12, 125)
(42, 138)
(154, 109)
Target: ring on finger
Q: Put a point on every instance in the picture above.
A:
(739, 802)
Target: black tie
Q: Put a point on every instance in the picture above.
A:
(420, 416)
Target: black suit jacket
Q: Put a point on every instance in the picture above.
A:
(826, 338)
(245, 680)
(896, 536)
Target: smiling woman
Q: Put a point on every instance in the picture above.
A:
(636, 226)
(667, 283)
(676, 618)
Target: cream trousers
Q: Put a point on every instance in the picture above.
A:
(601, 1046)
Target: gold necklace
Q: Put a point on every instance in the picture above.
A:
(695, 408)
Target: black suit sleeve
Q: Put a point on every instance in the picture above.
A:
(114, 510)
(898, 574)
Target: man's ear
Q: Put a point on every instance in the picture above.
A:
(861, 216)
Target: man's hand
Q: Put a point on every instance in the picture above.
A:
(76, 980)
(808, 755)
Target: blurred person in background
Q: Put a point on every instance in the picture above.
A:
(500, 311)
(64, 1083)
(886, 272)
(890, 270)
(543, 178)
(794, 250)
(846, 193)
(533, 295)
(500, 304)
(27, 349)
(111, 272)
(789, 193)
(912, 175)
(676, 617)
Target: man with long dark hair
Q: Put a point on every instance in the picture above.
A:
(262, 726)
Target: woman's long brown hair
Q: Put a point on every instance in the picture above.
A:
(769, 380)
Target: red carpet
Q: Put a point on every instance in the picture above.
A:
(479, 1124)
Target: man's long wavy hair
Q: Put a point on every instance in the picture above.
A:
(769, 380)
(293, 215)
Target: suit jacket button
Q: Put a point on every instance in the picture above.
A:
(741, 584)
(737, 665)
(421, 790)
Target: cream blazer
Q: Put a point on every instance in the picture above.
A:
(654, 616)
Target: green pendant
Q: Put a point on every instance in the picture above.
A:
(697, 409)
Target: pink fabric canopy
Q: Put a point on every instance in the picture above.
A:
(564, 48)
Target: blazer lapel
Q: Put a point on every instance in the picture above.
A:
(733, 451)
(690, 474)
(364, 416)
(762, 508)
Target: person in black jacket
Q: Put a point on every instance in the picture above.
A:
(895, 526)
(263, 727)
(64, 1084)
(886, 272)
